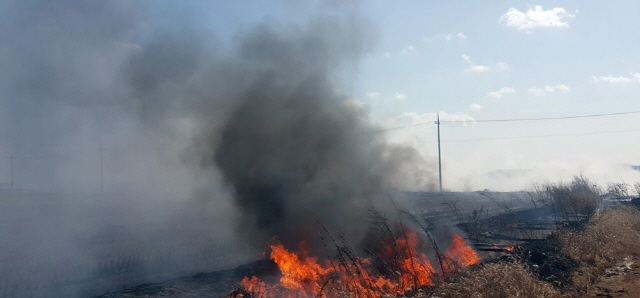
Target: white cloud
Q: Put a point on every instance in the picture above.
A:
(474, 67)
(542, 91)
(410, 50)
(373, 94)
(446, 37)
(536, 18)
(475, 107)
(399, 96)
(502, 66)
(355, 105)
(410, 118)
(502, 92)
(616, 80)
(386, 54)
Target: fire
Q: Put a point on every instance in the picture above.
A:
(504, 248)
(305, 276)
(414, 268)
(459, 254)
(406, 269)
(299, 271)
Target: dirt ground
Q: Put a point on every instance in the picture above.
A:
(621, 281)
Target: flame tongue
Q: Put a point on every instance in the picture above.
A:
(459, 254)
(299, 271)
(413, 268)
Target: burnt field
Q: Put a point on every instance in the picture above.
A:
(80, 245)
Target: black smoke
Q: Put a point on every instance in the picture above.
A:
(274, 120)
(296, 151)
(277, 124)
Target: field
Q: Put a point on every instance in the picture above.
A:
(83, 245)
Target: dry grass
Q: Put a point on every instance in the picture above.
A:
(606, 239)
(500, 280)
(609, 236)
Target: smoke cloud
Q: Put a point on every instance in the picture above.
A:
(293, 150)
(273, 119)
(206, 137)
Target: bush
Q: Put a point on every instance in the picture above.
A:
(575, 201)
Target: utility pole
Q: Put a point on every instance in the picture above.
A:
(439, 156)
(11, 159)
(101, 177)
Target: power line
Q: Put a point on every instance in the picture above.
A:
(549, 118)
(507, 120)
(542, 136)
(402, 127)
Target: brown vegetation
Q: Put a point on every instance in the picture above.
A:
(496, 281)
(608, 238)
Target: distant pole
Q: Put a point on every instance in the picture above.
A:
(101, 176)
(11, 159)
(439, 155)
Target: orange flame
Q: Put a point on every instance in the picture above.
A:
(304, 276)
(459, 255)
(414, 268)
(505, 248)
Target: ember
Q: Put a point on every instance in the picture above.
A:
(507, 248)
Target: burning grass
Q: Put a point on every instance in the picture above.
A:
(399, 268)
(459, 255)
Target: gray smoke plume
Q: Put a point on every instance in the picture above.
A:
(273, 119)
(293, 148)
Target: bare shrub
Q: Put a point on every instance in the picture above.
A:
(500, 280)
(575, 201)
(619, 191)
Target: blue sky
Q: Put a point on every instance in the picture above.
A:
(509, 59)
